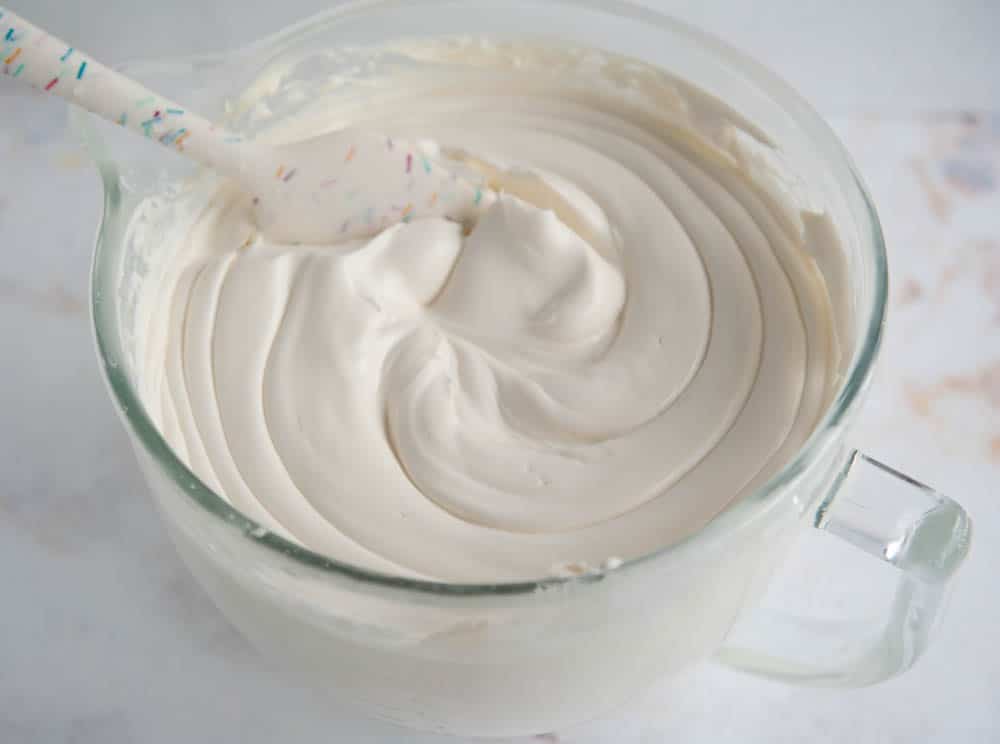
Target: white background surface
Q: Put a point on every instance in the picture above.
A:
(105, 639)
(889, 55)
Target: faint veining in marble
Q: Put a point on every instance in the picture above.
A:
(946, 277)
(971, 167)
(966, 151)
(985, 383)
(937, 201)
(995, 448)
(989, 253)
(71, 159)
(978, 258)
(960, 161)
(56, 299)
(65, 516)
(943, 223)
(917, 399)
(911, 291)
(970, 175)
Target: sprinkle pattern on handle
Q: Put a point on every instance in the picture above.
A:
(46, 63)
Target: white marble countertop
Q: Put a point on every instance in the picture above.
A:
(104, 637)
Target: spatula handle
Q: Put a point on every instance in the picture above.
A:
(33, 56)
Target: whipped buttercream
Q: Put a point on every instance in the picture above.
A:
(630, 335)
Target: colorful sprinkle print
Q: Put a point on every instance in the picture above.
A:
(479, 196)
(427, 164)
(58, 63)
(172, 136)
(409, 162)
(351, 153)
(290, 175)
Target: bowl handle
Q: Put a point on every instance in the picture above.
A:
(886, 514)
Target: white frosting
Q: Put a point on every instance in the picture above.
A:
(632, 335)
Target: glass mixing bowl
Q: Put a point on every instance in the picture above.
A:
(521, 658)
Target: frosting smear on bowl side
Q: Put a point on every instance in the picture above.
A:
(631, 334)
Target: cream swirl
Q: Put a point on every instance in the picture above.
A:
(631, 335)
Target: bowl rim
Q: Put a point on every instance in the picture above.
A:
(736, 515)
